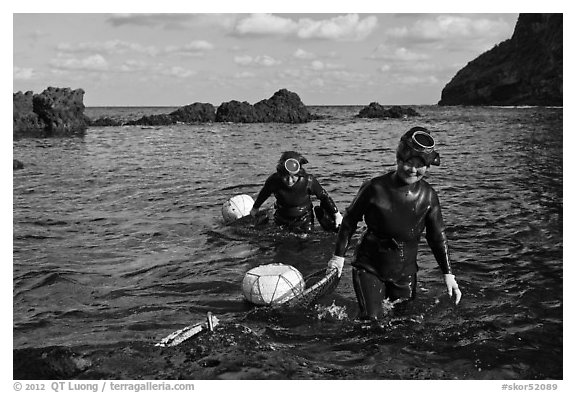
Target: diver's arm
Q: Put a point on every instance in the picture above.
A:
(353, 215)
(436, 238)
(264, 193)
(322, 194)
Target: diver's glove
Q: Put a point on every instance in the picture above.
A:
(336, 262)
(254, 211)
(452, 286)
(338, 219)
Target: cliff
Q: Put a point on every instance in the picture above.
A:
(526, 69)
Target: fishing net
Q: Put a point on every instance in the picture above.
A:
(317, 284)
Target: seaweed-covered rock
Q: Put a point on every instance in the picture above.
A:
(377, 111)
(106, 122)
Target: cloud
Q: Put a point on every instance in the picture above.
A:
(450, 29)
(263, 61)
(265, 24)
(347, 28)
(177, 72)
(386, 52)
(91, 63)
(168, 21)
(302, 54)
(23, 73)
(340, 28)
(174, 21)
(198, 47)
(110, 47)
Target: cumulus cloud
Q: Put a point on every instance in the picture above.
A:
(302, 54)
(110, 47)
(386, 52)
(260, 60)
(347, 28)
(90, 63)
(23, 73)
(452, 28)
(177, 72)
(198, 47)
(340, 28)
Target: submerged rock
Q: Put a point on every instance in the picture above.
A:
(526, 69)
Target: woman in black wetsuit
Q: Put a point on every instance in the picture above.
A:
(396, 208)
(292, 187)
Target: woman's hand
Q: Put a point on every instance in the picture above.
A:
(338, 218)
(452, 286)
(336, 262)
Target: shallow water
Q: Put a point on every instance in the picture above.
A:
(119, 240)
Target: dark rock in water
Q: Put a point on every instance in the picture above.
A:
(195, 113)
(153, 120)
(106, 122)
(237, 112)
(189, 114)
(25, 120)
(283, 107)
(377, 111)
(526, 69)
(54, 112)
(17, 164)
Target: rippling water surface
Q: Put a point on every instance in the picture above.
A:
(119, 240)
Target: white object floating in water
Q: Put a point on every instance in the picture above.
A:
(237, 207)
(272, 284)
(184, 334)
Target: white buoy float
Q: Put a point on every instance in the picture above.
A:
(237, 207)
(272, 284)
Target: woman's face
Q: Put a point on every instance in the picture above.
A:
(412, 170)
(290, 180)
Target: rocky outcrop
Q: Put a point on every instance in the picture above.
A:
(189, 114)
(237, 112)
(54, 112)
(283, 107)
(377, 111)
(527, 69)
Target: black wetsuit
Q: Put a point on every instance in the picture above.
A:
(396, 215)
(293, 204)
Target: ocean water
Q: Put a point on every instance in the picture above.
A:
(118, 240)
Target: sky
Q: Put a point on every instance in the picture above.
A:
(175, 59)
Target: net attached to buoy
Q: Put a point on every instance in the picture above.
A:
(318, 284)
(283, 285)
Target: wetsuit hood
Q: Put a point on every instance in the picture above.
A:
(417, 142)
(291, 163)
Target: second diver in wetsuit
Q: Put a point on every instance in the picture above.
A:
(292, 187)
(397, 207)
